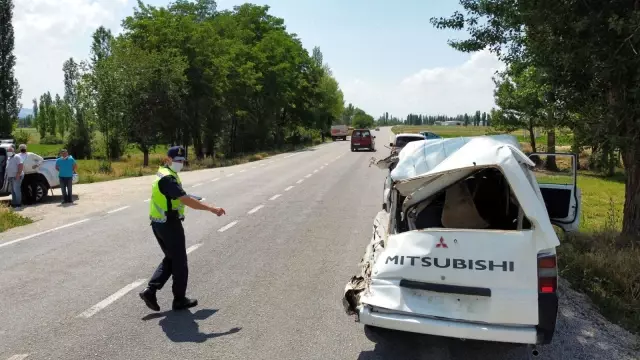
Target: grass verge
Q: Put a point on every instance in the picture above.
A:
(130, 165)
(9, 219)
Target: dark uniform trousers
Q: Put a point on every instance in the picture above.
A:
(170, 236)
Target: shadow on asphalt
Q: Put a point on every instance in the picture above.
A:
(391, 344)
(181, 326)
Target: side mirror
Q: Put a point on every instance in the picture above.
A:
(391, 144)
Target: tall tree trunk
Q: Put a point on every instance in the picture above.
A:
(631, 212)
(551, 164)
(145, 156)
(532, 136)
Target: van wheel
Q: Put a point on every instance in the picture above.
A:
(34, 191)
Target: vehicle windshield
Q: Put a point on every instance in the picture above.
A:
(404, 140)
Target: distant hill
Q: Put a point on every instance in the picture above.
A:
(24, 112)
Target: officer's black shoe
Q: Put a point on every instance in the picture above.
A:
(184, 303)
(149, 298)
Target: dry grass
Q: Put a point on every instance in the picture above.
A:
(10, 219)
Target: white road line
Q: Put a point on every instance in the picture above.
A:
(299, 181)
(108, 301)
(18, 357)
(253, 167)
(308, 176)
(326, 164)
(230, 175)
(255, 209)
(191, 248)
(315, 171)
(289, 188)
(196, 185)
(118, 209)
(243, 170)
(147, 200)
(227, 227)
(288, 156)
(321, 167)
(275, 196)
(216, 179)
(42, 233)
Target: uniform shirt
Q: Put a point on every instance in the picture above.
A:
(65, 166)
(12, 165)
(170, 188)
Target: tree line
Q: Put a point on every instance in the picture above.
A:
(478, 118)
(572, 64)
(226, 82)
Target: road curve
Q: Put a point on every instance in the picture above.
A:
(268, 276)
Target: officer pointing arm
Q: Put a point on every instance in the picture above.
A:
(166, 212)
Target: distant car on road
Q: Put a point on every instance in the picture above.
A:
(430, 135)
(362, 139)
(403, 139)
(377, 128)
(339, 132)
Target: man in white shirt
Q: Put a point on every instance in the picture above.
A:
(14, 170)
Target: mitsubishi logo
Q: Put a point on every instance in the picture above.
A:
(441, 243)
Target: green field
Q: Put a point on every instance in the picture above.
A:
(563, 138)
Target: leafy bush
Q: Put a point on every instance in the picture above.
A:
(51, 140)
(22, 137)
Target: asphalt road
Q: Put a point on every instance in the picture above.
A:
(268, 276)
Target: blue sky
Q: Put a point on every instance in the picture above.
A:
(385, 55)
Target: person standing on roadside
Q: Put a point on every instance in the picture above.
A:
(15, 166)
(166, 212)
(66, 166)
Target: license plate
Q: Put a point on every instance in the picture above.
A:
(356, 144)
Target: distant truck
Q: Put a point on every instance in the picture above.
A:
(40, 175)
(339, 132)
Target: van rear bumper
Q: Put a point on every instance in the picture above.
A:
(368, 315)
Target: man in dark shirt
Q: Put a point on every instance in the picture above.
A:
(166, 211)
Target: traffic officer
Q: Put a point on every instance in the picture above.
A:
(166, 211)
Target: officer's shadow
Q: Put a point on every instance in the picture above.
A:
(181, 326)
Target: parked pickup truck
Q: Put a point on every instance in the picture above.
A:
(464, 246)
(339, 132)
(40, 176)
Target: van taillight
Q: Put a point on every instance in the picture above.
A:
(547, 274)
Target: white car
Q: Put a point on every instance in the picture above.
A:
(466, 247)
(40, 176)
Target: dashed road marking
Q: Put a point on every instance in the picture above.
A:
(216, 179)
(326, 164)
(261, 164)
(308, 176)
(315, 171)
(118, 209)
(228, 226)
(196, 185)
(243, 170)
(43, 232)
(289, 188)
(191, 248)
(111, 299)
(147, 200)
(253, 167)
(230, 175)
(288, 156)
(275, 196)
(255, 209)
(18, 357)
(299, 181)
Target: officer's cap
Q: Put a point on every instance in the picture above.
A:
(176, 153)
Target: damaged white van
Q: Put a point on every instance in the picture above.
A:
(464, 246)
